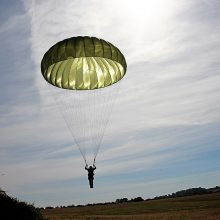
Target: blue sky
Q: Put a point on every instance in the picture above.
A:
(164, 130)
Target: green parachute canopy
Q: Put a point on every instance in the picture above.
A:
(80, 66)
(83, 63)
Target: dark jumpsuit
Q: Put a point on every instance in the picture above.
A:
(90, 174)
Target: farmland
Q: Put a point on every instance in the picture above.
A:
(200, 207)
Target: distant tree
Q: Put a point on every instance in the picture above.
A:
(49, 207)
(214, 189)
(123, 200)
(137, 199)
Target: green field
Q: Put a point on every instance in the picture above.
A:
(200, 207)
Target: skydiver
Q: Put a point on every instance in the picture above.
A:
(90, 174)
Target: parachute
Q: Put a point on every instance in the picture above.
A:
(84, 73)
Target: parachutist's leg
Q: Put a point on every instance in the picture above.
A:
(91, 183)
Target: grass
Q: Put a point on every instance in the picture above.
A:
(201, 207)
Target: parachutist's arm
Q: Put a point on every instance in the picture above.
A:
(94, 167)
(86, 167)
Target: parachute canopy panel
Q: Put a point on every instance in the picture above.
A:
(83, 63)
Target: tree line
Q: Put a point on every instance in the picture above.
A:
(181, 193)
(190, 192)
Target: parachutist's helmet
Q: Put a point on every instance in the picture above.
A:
(90, 167)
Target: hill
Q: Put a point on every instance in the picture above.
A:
(199, 207)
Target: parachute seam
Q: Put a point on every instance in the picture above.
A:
(62, 83)
(51, 72)
(53, 54)
(96, 63)
(107, 70)
(84, 47)
(102, 47)
(93, 63)
(70, 73)
(116, 63)
(57, 73)
(102, 68)
(107, 60)
(76, 72)
(117, 54)
(110, 48)
(74, 48)
(59, 63)
(93, 44)
(58, 51)
(88, 72)
(65, 54)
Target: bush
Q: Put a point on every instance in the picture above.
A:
(137, 199)
(11, 208)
